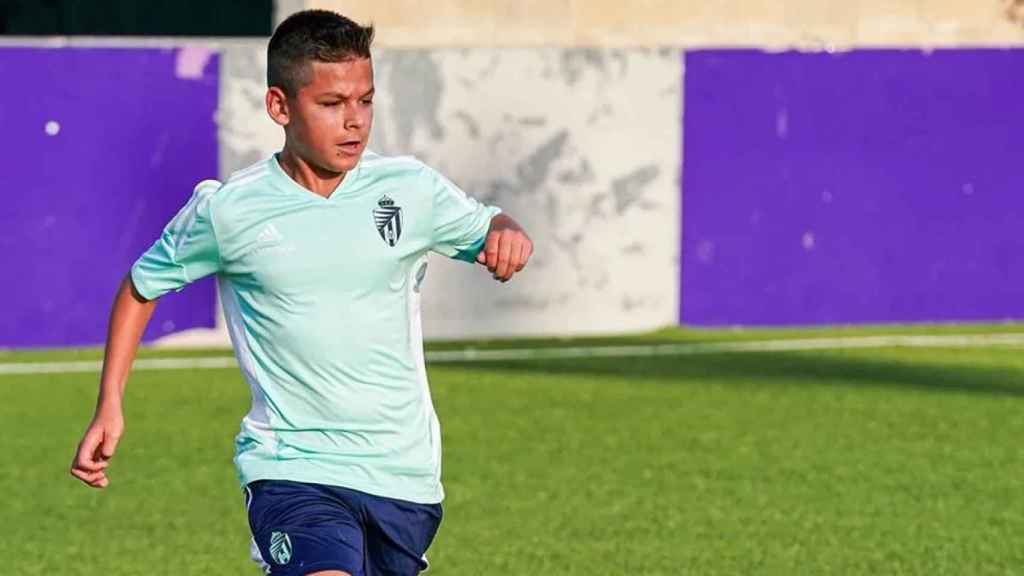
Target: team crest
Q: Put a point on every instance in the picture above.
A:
(388, 219)
(280, 547)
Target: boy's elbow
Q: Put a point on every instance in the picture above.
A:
(129, 286)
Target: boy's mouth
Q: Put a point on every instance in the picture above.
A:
(351, 146)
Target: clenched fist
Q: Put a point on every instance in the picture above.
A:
(507, 250)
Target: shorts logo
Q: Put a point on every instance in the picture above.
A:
(388, 219)
(280, 547)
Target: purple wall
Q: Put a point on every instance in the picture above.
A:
(101, 147)
(871, 186)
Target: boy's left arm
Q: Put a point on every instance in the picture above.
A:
(507, 249)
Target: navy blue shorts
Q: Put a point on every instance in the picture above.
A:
(301, 528)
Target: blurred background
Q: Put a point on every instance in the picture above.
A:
(784, 237)
(727, 164)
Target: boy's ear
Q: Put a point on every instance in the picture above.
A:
(277, 106)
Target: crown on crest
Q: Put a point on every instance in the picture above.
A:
(385, 201)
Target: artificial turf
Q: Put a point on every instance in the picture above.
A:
(870, 461)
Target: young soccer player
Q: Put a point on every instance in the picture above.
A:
(320, 252)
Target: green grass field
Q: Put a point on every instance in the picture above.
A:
(870, 461)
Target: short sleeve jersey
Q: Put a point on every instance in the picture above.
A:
(322, 301)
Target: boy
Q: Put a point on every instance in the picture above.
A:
(319, 251)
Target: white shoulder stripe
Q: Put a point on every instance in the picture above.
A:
(199, 200)
(247, 179)
(186, 216)
(411, 161)
(207, 187)
(261, 165)
(260, 169)
(378, 158)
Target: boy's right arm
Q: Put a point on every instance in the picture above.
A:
(128, 320)
(186, 251)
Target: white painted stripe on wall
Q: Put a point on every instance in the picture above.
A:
(1012, 340)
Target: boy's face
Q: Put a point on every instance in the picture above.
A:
(328, 121)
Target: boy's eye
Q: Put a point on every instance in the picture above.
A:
(331, 103)
(368, 101)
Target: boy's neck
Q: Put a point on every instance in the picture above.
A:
(317, 180)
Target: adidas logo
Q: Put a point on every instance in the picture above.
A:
(268, 235)
(271, 241)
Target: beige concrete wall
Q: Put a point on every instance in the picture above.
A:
(587, 158)
(812, 24)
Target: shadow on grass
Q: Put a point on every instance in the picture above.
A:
(786, 368)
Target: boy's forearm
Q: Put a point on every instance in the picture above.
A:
(128, 319)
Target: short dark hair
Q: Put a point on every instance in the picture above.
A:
(313, 36)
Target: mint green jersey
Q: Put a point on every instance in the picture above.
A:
(322, 301)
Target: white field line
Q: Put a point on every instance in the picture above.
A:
(560, 353)
(97, 365)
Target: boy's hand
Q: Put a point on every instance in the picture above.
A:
(97, 447)
(507, 250)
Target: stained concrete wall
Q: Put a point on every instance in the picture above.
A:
(582, 146)
(684, 23)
